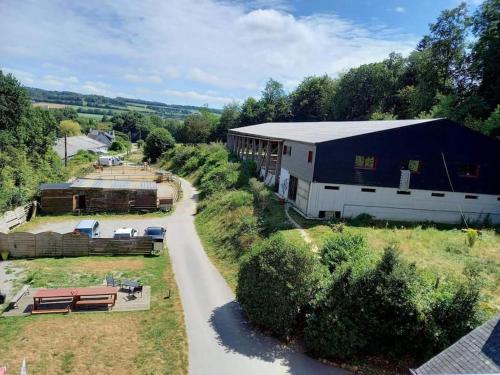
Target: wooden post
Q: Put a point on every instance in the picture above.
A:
(278, 167)
(253, 149)
(268, 158)
(259, 156)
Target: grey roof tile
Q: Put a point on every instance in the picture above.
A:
(476, 353)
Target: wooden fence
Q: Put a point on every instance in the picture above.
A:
(52, 244)
(17, 216)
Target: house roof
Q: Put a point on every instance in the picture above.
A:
(77, 143)
(317, 132)
(88, 183)
(62, 185)
(476, 353)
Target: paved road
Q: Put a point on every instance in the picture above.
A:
(220, 339)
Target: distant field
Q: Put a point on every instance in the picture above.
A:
(139, 108)
(49, 105)
(91, 115)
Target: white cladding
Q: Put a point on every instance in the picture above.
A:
(386, 204)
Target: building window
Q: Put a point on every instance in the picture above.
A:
(368, 190)
(289, 150)
(468, 170)
(437, 195)
(321, 214)
(331, 187)
(292, 188)
(414, 166)
(365, 162)
(285, 150)
(310, 157)
(404, 192)
(471, 197)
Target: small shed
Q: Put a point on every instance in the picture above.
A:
(96, 195)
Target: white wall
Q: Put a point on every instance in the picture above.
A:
(386, 204)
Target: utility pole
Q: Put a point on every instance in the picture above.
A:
(65, 151)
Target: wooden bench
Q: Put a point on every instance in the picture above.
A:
(15, 300)
(51, 311)
(89, 302)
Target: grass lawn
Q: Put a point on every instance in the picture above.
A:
(440, 251)
(142, 342)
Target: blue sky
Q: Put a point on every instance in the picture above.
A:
(201, 51)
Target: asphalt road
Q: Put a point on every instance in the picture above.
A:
(219, 337)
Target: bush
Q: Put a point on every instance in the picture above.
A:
(342, 248)
(118, 145)
(472, 236)
(276, 281)
(376, 312)
(260, 193)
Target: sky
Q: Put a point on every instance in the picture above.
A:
(201, 52)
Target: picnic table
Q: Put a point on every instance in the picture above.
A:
(71, 298)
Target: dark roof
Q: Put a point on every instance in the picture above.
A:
(62, 185)
(475, 353)
(317, 132)
(113, 184)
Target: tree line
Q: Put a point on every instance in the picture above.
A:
(453, 72)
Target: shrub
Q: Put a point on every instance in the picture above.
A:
(260, 193)
(275, 283)
(118, 145)
(376, 312)
(140, 143)
(472, 236)
(341, 248)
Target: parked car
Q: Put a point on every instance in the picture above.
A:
(124, 233)
(88, 227)
(157, 234)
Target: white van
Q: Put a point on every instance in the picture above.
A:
(108, 161)
(125, 233)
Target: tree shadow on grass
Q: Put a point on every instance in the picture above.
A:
(236, 334)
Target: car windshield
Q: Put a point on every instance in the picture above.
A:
(153, 231)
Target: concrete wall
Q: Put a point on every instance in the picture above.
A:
(387, 204)
(297, 163)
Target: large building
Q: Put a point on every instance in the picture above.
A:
(408, 170)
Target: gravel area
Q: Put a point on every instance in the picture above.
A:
(8, 274)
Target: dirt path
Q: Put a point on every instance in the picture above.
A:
(301, 230)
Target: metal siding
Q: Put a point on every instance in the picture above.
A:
(297, 163)
(386, 204)
(335, 159)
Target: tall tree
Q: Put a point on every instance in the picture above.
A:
(229, 119)
(274, 104)
(446, 43)
(486, 51)
(196, 129)
(310, 100)
(157, 142)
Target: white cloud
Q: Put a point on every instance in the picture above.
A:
(138, 78)
(56, 81)
(197, 98)
(400, 9)
(94, 87)
(195, 45)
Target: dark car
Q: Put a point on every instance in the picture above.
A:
(157, 234)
